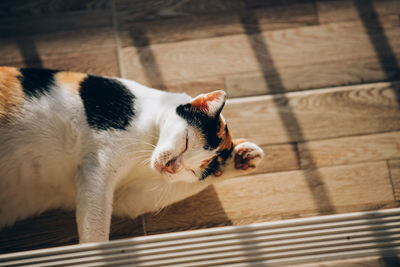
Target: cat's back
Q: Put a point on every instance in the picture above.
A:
(23, 90)
(39, 107)
(42, 126)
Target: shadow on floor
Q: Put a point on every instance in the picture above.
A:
(29, 52)
(389, 65)
(57, 228)
(379, 40)
(287, 116)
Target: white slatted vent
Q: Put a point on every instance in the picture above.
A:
(278, 243)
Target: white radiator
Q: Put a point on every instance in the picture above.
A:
(277, 243)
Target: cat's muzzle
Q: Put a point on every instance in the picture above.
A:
(172, 166)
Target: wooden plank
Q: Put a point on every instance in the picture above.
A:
(60, 44)
(56, 228)
(317, 114)
(251, 4)
(275, 51)
(321, 75)
(278, 158)
(24, 17)
(265, 197)
(22, 26)
(395, 177)
(214, 25)
(29, 8)
(192, 87)
(150, 10)
(101, 62)
(346, 10)
(138, 10)
(349, 150)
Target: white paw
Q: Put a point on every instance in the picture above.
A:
(247, 155)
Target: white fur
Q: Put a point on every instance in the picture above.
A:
(50, 158)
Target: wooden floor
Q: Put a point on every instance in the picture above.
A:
(315, 83)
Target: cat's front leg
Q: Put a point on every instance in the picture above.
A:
(245, 158)
(93, 203)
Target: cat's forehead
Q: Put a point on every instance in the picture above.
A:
(213, 129)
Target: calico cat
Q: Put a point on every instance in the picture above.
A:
(107, 146)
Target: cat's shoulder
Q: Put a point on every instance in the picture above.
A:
(107, 101)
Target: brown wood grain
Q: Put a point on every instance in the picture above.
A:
(214, 25)
(349, 150)
(274, 196)
(56, 44)
(22, 26)
(395, 177)
(102, 62)
(27, 8)
(203, 210)
(193, 87)
(278, 158)
(312, 76)
(251, 4)
(342, 10)
(318, 114)
(138, 10)
(273, 51)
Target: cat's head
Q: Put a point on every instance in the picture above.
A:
(194, 140)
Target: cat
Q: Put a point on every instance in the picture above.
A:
(104, 146)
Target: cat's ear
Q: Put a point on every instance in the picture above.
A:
(211, 103)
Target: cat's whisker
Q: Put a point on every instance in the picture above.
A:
(143, 151)
(136, 141)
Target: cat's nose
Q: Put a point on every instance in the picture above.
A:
(171, 166)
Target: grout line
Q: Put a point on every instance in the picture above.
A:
(331, 138)
(316, 91)
(319, 167)
(224, 77)
(317, 24)
(117, 39)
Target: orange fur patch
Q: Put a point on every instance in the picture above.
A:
(238, 141)
(202, 102)
(73, 79)
(225, 135)
(205, 163)
(11, 93)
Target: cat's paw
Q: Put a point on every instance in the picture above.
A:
(247, 156)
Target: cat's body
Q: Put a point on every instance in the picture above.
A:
(101, 146)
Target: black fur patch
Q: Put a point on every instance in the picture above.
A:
(209, 126)
(108, 103)
(215, 165)
(36, 82)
